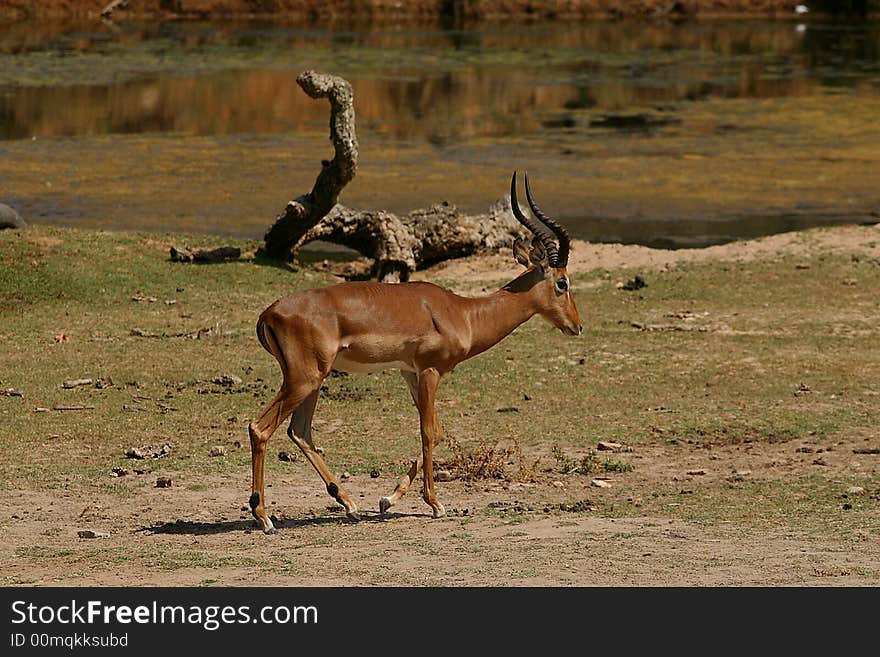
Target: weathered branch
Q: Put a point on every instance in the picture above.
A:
(400, 245)
(107, 11)
(303, 213)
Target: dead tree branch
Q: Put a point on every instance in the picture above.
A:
(303, 213)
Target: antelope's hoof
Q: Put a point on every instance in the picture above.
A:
(267, 526)
(353, 515)
(439, 511)
(384, 505)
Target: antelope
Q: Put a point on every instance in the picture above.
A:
(419, 328)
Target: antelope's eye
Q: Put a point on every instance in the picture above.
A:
(562, 285)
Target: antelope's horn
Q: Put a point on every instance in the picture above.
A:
(542, 232)
(559, 231)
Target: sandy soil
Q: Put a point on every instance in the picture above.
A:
(532, 535)
(590, 257)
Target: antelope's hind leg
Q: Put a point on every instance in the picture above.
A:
(300, 432)
(285, 402)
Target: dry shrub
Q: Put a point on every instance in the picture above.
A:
(489, 461)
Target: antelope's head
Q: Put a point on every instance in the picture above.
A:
(547, 259)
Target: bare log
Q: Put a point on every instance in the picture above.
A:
(186, 254)
(303, 213)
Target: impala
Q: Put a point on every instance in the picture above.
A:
(419, 328)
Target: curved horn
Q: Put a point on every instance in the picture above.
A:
(538, 229)
(561, 233)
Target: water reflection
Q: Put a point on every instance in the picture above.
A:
(440, 86)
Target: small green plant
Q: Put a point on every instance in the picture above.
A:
(588, 463)
(610, 465)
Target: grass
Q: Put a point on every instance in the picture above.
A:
(790, 361)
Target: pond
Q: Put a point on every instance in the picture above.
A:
(664, 134)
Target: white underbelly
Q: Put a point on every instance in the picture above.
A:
(343, 364)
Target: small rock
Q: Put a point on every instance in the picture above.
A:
(135, 453)
(600, 483)
(802, 389)
(507, 409)
(226, 380)
(739, 475)
(558, 484)
(374, 473)
(608, 446)
(218, 450)
(802, 265)
(850, 281)
(576, 507)
(289, 457)
(75, 383)
(699, 471)
(345, 476)
(163, 482)
(89, 533)
(442, 475)
(847, 506)
(820, 461)
(119, 472)
(9, 218)
(636, 283)
(855, 490)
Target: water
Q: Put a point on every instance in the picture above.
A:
(660, 134)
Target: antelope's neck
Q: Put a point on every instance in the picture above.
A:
(495, 317)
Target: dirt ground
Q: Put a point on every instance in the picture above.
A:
(537, 533)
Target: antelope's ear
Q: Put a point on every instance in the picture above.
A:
(538, 255)
(521, 251)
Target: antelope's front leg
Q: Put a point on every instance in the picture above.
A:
(430, 427)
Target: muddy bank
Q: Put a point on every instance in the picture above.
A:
(384, 10)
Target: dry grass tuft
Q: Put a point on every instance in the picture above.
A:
(489, 461)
